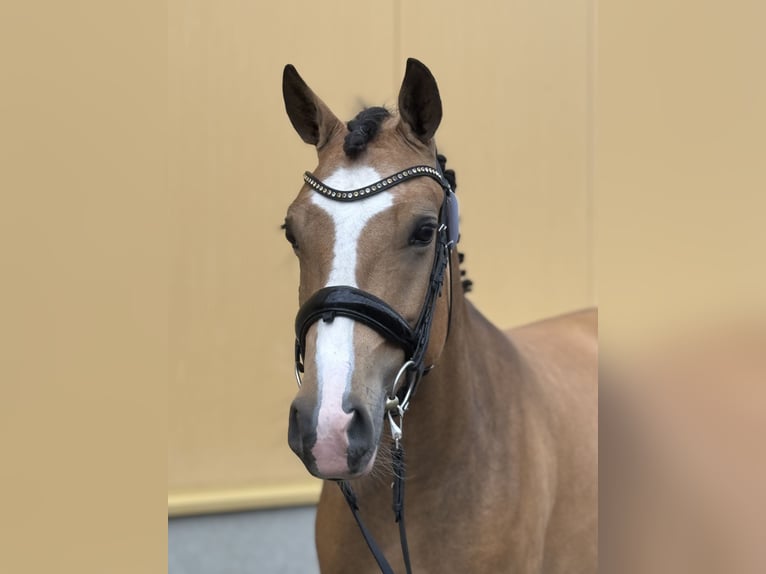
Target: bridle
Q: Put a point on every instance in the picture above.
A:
(343, 300)
(363, 307)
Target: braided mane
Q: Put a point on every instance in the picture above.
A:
(449, 175)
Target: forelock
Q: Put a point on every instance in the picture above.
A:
(363, 129)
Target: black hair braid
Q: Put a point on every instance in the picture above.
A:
(363, 129)
(449, 175)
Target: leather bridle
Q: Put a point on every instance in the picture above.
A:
(363, 307)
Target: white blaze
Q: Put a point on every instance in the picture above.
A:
(335, 340)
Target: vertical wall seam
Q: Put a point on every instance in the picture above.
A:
(591, 72)
(396, 65)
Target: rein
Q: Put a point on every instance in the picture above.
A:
(366, 308)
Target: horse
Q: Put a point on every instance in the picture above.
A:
(501, 426)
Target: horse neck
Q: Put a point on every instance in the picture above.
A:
(448, 415)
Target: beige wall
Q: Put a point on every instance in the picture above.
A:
(672, 109)
(680, 166)
(515, 86)
(651, 111)
(83, 287)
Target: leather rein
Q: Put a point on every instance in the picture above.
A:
(358, 305)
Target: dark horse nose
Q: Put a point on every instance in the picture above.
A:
(360, 438)
(301, 432)
(359, 432)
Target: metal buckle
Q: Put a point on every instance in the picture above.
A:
(395, 407)
(397, 430)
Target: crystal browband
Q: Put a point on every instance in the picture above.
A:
(378, 186)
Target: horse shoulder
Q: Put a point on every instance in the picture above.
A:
(559, 369)
(559, 378)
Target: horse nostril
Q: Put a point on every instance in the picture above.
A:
(360, 437)
(294, 432)
(301, 434)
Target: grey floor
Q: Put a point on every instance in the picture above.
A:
(267, 541)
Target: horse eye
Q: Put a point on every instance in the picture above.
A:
(423, 235)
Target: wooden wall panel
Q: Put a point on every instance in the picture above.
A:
(515, 130)
(83, 297)
(514, 82)
(235, 164)
(680, 172)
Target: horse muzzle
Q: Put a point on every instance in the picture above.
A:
(337, 445)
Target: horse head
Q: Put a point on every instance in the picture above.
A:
(370, 231)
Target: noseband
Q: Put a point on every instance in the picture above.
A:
(366, 308)
(363, 307)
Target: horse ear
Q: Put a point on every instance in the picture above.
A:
(420, 106)
(310, 116)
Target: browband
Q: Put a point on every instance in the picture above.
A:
(378, 186)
